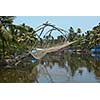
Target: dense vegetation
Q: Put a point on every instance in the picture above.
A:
(86, 40)
(17, 39)
(14, 39)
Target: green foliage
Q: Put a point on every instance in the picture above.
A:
(14, 39)
(87, 40)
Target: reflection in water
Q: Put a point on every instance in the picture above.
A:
(70, 68)
(61, 67)
(24, 72)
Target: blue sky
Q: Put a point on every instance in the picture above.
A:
(83, 22)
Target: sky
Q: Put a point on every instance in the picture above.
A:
(84, 22)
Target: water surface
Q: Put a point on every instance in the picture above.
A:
(54, 68)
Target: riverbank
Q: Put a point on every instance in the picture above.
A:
(15, 61)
